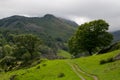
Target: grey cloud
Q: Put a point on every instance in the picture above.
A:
(91, 9)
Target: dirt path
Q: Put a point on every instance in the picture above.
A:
(90, 75)
(77, 70)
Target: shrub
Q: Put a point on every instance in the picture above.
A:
(107, 61)
(7, 63)
(110, 60)
(38, 67)
(102, 62)
(13, 77)
(60, 75)
(44, 65)
(26, 56)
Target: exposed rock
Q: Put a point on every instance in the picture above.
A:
(13, 77)
(117, 57)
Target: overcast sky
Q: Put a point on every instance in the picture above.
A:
(78, 10)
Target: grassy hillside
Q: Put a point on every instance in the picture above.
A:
(47, 70)
(64, 54)
(61, 70)
(108, 71)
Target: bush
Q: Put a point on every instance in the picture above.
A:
(60, 75)
(38, 67)
(107, 61)
(7, 63)
(13, 77)
(44, 65)
(110, 60)
(26, 56)
(102, 61)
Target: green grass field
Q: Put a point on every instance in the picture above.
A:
(48, 70)
(108, 71)
(64, 54)
(60, 70)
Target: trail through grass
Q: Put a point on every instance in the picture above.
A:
(83, 75)
(108, 71)
(76, 71)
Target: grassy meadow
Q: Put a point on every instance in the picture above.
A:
(108, 71)
(47, 70)
(60, 70)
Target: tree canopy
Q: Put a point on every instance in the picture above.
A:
(90, 37)
(29, 42)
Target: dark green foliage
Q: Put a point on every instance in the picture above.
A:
(19, 50)
(102, 61)
(107, 61)
(38, 67)
(7, 50)
(13, 77)
(26, 56)
(113, 47)
(28, 42)
(45, 49)
(44, 65)
(7, 63)
(90, 37)
(60, 75)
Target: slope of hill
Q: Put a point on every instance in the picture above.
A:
(47, 25)
(53, 31)
(116, 35)
(108, 71)
(61, 70)
(47, 70)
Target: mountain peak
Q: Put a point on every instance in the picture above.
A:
(17, 16)
(49, 16)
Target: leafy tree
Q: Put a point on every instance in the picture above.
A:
(2, 40)
(1, 53)
(90, 37)
(7, 50)
(29, 42)
(7, 63)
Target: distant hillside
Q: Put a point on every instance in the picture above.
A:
(53, 31)
(47, 25)
(116, 35)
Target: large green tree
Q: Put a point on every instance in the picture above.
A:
(29, 42)
(90, 37)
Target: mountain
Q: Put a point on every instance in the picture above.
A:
(53, 31)
(116, 35)
(48, 25)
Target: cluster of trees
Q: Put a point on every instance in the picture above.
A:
(22, 47)
(90, 37)
(14, 48)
